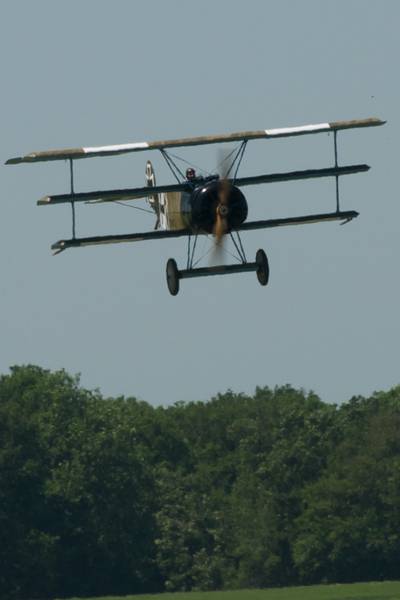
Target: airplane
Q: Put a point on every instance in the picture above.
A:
(210, 205)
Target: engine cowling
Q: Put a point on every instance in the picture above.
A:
(205, 202)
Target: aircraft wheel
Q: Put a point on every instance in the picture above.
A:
(262, 267)
(172, 277)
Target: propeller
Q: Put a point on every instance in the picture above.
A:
(222, 211)
(222, 207)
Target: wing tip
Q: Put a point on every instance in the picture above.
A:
(14, 161)
(356, 123)
(43, 201)
(377, 121)
(28, 158)
(352, 214)
(58, 247)
(374, 120)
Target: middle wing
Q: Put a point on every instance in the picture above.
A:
(132, 193)
(114, 195)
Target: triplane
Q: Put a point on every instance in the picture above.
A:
(193, 206)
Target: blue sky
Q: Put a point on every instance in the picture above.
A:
(96, 72)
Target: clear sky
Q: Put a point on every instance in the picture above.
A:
(95, 72)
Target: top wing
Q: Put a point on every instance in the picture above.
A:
(85, 152)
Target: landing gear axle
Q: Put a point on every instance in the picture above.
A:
(260, 266)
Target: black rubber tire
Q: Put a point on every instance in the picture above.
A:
(172, 277)
(262, 267)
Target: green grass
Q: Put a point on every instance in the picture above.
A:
(388, 590)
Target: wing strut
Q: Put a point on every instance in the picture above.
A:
(336, 166)
(71, 173)
(173, 167)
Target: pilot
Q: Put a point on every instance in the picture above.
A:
(191, 174)
(192, 177)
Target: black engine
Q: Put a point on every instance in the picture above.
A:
(206, 201)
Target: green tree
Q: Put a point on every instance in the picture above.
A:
(349, 528)
(76, 490)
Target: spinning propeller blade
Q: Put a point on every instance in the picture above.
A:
(222, 207)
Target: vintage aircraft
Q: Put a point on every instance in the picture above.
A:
(194, 205)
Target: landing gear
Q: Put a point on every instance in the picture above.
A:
(172, 277)
(260, 266)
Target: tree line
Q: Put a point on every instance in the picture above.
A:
(104, 496)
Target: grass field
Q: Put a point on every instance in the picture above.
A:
(388, 590)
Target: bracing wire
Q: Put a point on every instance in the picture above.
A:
(190, 164)
(147, 210)
(226, 158)
(203, 256)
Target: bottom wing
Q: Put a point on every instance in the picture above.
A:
(158, 235)
(115, 239)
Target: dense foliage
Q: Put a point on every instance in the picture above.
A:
(113, 496)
